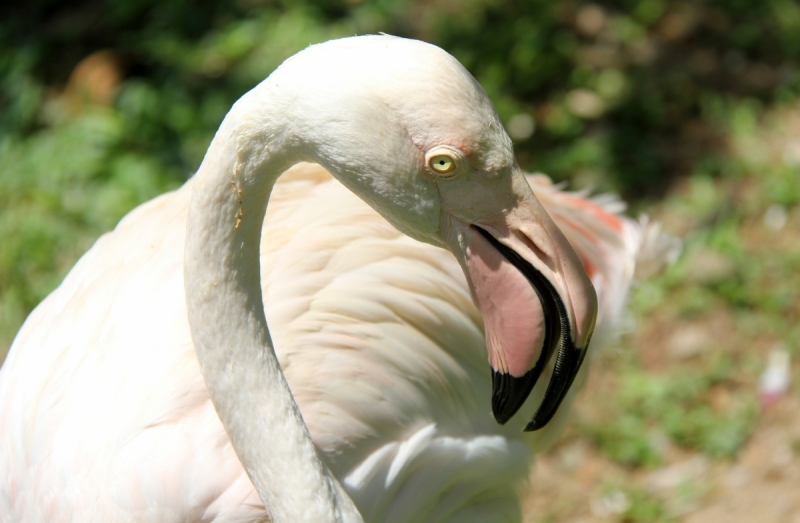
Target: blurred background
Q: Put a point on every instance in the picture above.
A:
(689, 109)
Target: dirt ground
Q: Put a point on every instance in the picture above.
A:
(572, 482)
(576, 482)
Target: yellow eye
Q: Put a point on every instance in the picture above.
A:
(442, 164)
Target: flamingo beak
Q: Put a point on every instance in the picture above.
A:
(536, 301)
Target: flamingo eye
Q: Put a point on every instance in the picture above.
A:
(442, 164)
(446, 162)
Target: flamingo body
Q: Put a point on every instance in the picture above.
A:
(105, 415)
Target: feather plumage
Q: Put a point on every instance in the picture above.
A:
(104, 414)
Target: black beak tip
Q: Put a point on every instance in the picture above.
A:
(539, 421)
(568, 363)
(509, 393)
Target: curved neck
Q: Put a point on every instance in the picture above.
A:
(226, 314)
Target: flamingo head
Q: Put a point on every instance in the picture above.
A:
(407, 128)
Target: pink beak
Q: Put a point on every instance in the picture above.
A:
(535, 298)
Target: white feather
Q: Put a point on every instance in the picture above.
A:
(376, 332)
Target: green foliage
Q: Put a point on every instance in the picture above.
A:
(644, 507)
(631, 79)
(59, 189)
(674, 405)
(727, 200)
(624, 95)
(732, 262)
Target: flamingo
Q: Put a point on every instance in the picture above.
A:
(148, 387)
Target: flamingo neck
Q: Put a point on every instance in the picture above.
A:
(252, 148)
